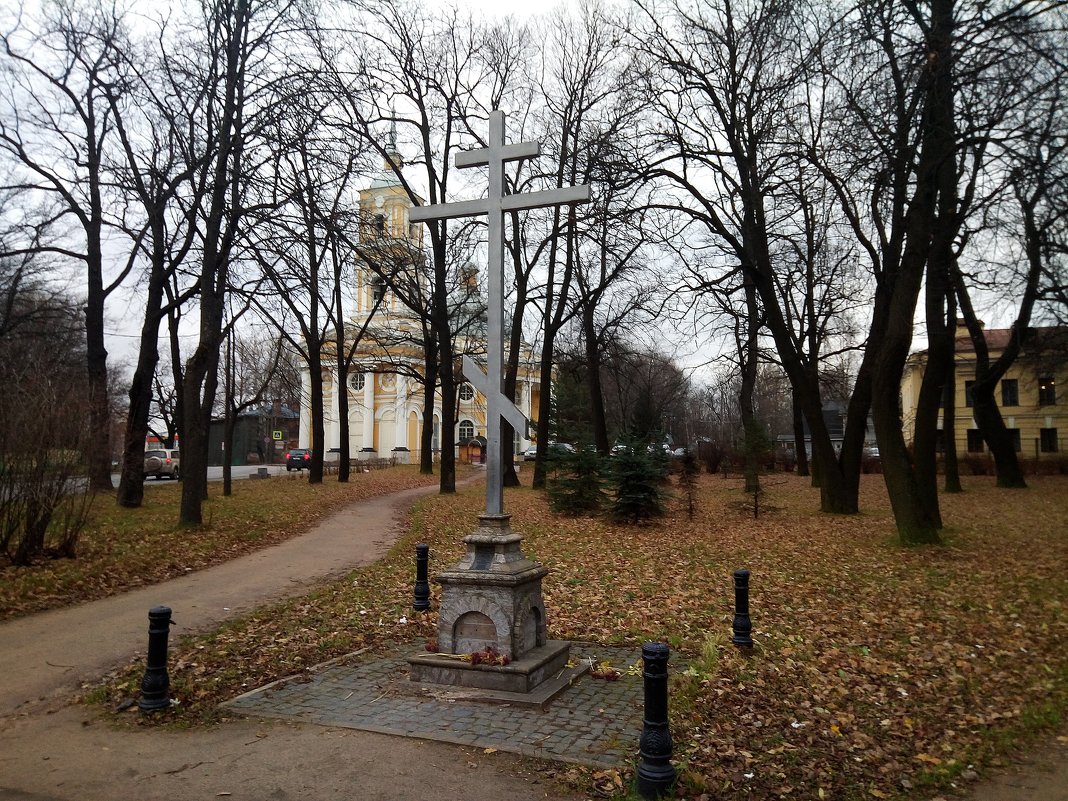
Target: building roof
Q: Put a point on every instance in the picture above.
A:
(1039, 338)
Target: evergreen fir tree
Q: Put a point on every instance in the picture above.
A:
(577, 485)
(689, 467)
(638, 477)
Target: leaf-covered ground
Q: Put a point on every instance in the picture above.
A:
(125, 548)
(878, 672)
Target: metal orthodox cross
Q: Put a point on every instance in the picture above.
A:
(494, 206)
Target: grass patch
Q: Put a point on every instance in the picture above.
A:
(878, 670)
(125, 548)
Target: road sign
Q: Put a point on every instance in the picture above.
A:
(276, 434)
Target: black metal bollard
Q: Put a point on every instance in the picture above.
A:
(742, 626)
(656, 774)
(422, 584)
(156, 684)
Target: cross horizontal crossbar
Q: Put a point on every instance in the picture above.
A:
(472, 208)
(513, 152)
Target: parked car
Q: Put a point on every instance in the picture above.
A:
(530, 454)
(163, 463)
(298, 459)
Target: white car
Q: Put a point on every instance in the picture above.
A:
(530, 454)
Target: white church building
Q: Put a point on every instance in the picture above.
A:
(385, 382)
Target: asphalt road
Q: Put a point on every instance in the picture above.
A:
(215, 473)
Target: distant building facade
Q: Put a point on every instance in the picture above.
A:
(1032, 395)
(261, 436)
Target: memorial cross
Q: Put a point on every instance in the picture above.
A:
(496, 203)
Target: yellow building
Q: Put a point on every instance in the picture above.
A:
(385, 382)
(1032, 395)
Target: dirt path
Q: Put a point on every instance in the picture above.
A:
(56, 651)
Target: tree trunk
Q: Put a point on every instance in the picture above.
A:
(800, 448)
(99, 455)
(426, 433)
(201, 374)
(949, 406)
(988, 417)
(132, 479)
(447, 480)
(593, 381)
(229, 423)
(545, 375)
(178, 376)
(194, 440)
(340, 351)
(515, 346)
(986, 413)
(749, 358)
(940, 354)
(804, 380)
(344, 455)
(318, 432)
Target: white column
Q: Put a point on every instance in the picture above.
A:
(333, 427)
(369, 410)
(304, 436)
(402, 412)
(527, 393)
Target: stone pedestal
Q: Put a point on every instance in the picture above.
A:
(492, 598)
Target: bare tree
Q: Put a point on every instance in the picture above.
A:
(294, 245)
(733, 77)
(233, 56)
(154, 168)
(1028, 208)
(56, 125)
(577, 79)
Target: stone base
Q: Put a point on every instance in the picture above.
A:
(521, 676)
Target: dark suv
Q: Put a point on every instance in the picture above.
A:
(298, 459)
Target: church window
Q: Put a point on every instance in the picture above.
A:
(1047, 391)
(467, 430)
(378, 289)
(357, 381)
(1048, 439)
(467, 392)
(380, 224)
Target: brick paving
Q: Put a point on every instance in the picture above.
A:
(593, 722)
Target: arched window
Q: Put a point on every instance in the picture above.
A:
(357, 381)
(467, 392)
(467, 430)
(380, 224)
